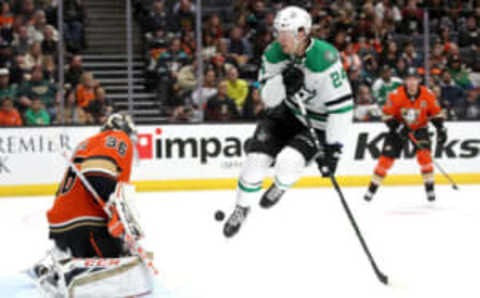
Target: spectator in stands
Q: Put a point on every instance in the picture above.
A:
(222, 50)
(188, 44)
(27, 11)
(468, 36)
(351, 60)
(183, 16)
(459, 74)
(36, 28)
(6, 54)
(101, 107)
(34, 56)
(187, 78)
(221, 107)
(253, 108)
(390, 54)
(18, 70)
(365, 107)
(72, 114)
(214, 27)
(50, 42)
(239, 47)
(237, 89)
(209, 49)
(471, 110)
(39, 88)
(262, 39)
(386, 10)
(412, 18)
(412, 56)
(445, 39)
(9, 116)
(171, 60)
(6, 22)
(157, 18)
(21, 43)
(200, 96)
(385, 84)
(438, 58)
(86, 89)
(37, 114)
(475, 64)
(74, 19)
(7, 90)
(257, 16)
(453, 97)
(50, 68)
(370, 69)
(74, 71)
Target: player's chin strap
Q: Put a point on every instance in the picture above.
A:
(133, 232)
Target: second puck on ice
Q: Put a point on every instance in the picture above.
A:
(219, 215)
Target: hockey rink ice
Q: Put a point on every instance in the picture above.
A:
(302, 248)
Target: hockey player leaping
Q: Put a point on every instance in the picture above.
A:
(406, 113)
(295, 68)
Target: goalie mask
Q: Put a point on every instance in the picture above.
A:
(123, 122)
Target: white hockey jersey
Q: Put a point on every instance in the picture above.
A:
(326, 92)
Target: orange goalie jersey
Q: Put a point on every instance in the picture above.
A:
(414, 113)
(107, 154)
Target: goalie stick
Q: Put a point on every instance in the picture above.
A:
(381, 276)
(415, 143)
(133, 245)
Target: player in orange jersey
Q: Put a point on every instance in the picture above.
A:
(407, 111)
(78, 224)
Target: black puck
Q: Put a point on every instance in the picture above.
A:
(219, 215)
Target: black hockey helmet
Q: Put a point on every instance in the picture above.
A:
(412, 72)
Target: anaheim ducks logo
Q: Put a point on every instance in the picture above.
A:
(410, 115)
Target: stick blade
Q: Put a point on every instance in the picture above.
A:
(454, 186)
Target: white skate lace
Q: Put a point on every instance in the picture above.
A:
(274, 193)
(237, 217)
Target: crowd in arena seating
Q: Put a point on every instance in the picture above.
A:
(378, 41)
(29, 90)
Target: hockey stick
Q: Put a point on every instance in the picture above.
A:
(417, 146)
(382, 277)
(133, 245)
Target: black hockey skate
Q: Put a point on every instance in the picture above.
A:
(271, 196)
(430, 189)
(372, 189)
(235, 221)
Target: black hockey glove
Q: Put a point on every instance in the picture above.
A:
(441, 135)
(441, 130)
(292, 79)
(398, 128)
(327, 163)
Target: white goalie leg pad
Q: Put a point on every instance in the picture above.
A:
(289, 166)
(251, 178)
(120, 277)
(115, 277)
(123, 198)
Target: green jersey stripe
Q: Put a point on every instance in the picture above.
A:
(248, 189)
(342, 110)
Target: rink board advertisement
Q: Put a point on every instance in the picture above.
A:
(173, 157)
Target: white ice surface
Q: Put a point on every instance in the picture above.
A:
(304, 247)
